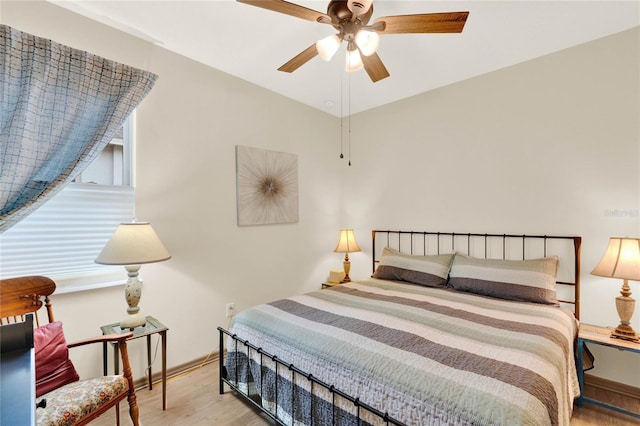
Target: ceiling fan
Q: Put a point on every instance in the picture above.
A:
(351, 18)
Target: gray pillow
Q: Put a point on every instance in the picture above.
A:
(430, 270)
(532, 280)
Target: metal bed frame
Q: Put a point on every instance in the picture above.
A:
(505, 246)
(297, 373)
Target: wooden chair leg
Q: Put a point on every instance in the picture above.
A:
(126, 370)
(133, 409)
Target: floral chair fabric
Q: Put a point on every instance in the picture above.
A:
(67, 405)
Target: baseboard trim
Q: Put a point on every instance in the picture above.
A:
(611, 386)
(177, 370)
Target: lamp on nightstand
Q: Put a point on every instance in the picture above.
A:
(133, 244)
(346, 244)
(622, 260)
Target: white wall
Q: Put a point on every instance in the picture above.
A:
(548, 146)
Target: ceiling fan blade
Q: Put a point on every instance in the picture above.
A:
(450, 22)
(289, 9)
(300, 59)
(374, 67)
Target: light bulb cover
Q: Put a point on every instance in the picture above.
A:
(368, 42)
(354, 61)
(327, 47)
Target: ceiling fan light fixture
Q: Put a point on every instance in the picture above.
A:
(354, 61)
(368, 42)
(327, 47)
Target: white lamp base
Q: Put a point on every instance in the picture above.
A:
(132, 321)
(132, 294)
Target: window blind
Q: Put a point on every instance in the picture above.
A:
(62, 238)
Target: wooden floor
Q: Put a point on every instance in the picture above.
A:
(193, 399)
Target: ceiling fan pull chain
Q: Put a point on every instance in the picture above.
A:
(341, 117)
(349, 97)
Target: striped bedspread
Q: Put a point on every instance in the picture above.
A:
(424, 355)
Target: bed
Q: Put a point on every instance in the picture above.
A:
(451, 328)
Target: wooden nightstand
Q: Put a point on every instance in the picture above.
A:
(601, 336)
(329, 284)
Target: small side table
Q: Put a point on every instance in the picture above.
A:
(152, 326)
(601, 336)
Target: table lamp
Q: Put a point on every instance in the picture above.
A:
(133, 244)
(346, 244)
(622, 260)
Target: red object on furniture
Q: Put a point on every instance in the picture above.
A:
(53, 366)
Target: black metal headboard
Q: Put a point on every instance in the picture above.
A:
(493, 246)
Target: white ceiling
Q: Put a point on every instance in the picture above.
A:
(251, 43)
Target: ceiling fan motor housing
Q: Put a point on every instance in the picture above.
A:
(346, 21)
(339, 12)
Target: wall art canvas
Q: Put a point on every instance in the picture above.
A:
(267, 186)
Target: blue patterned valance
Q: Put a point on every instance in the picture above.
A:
(59, 107)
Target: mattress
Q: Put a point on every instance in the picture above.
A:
(423, 355)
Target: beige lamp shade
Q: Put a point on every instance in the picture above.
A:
(621, 260)
(133, 243)
(347, 242)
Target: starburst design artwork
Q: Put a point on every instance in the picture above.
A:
(267, 186)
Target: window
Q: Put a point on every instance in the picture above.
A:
(113, 165)
(63, 237)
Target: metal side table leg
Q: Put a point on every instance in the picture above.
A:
(163, 335)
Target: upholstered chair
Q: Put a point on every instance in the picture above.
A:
(62, 399)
